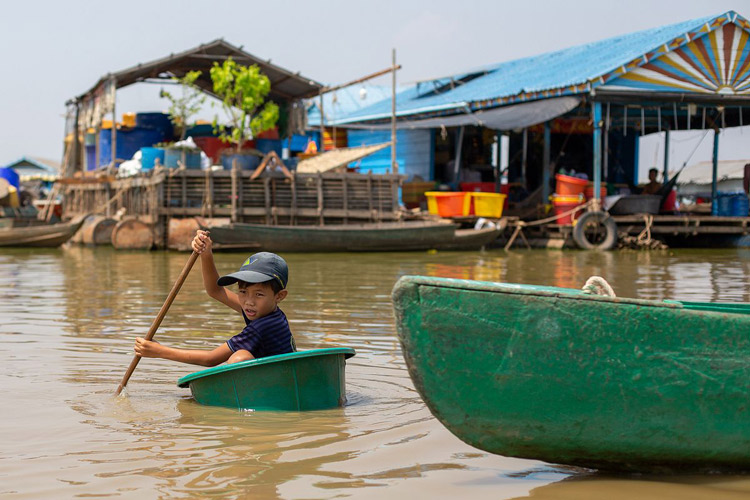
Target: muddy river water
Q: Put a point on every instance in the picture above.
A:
(68, 319)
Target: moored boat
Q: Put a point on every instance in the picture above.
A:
(372, 237)
(299, 381)
(566, 377)
(41, 235)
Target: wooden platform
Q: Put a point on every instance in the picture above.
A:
(684, 224)
(677, 230)
(302, 199)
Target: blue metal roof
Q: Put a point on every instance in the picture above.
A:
(567, 71)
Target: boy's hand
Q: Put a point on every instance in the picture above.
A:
(146, 348)
(201, 242)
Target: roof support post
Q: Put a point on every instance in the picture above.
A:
(546, 174)
(394, 163)
(715, 173)
(459, 147)
(665, 174)
(322, 124)
(597, 151)
(498, 160)
(605, 161)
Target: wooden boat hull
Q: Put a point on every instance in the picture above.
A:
(382, 237)
(47, 235)
(555, 375)
(300, 381)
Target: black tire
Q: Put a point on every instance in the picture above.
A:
(595, 231)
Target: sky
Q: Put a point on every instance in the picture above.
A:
(55, 50)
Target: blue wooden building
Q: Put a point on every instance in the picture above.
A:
(581, 108)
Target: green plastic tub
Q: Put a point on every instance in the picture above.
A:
(299, 381)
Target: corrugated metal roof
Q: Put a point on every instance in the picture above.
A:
(567, 71)
(285, 85)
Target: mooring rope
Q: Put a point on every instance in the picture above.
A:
(596, 285)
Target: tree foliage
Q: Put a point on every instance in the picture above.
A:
(243, 90)
(183, 107)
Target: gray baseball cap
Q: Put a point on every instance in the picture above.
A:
(259, 267)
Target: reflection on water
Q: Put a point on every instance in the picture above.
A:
(68, 322)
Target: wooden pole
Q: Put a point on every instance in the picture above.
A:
(360, 80)
(235, 191)
(666, 156)
(114, 126)
(394, 163)
(546, 174)
(322, 125)
(159, 317)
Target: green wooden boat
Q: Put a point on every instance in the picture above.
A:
(561, 376)
(299, 381)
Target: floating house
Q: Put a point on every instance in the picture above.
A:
(35, 169)
(158, 205)
(579, 109)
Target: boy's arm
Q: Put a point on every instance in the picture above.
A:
(202, 244)
(150, 349)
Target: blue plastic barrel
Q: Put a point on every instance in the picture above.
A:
(149, 157)
(91, 157)
(723, 204)
(201, 130)
(11, 176)
(128, 142)
(244, 161)
(265, 146)
(739, 205)
(173, 155)
(158, 121)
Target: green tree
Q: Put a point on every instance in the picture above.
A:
(242, 90)
(183, 107)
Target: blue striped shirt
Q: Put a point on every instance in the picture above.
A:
(266, 336)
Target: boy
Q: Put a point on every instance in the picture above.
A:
(262, 281)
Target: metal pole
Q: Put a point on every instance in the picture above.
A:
(597, 151)
(459, 147)
(546, 174)
(666, 156)
(394, 163)
(715, 174)
(498, 160)
(605, 161)
(322, 125)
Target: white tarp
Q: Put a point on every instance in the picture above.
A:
(702, 172)
(504, 118)
(696, 179)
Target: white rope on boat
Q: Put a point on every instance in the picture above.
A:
(596, 285)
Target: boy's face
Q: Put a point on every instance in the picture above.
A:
(258, 300)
